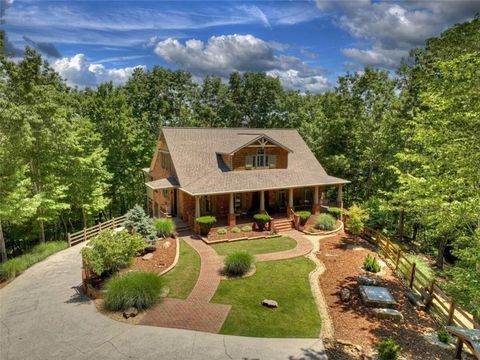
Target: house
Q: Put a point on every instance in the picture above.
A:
(231, 173)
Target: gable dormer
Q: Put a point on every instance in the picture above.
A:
(259, 152)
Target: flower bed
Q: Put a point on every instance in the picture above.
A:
(218, 234)
(309, 227)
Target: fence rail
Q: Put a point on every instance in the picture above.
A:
(437, 300)
(87, 233)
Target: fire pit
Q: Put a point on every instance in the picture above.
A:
(376, 296)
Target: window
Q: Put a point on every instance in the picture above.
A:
(165, 161)
(261, 158)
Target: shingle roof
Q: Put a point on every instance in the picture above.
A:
(200, 170)
(166, 183)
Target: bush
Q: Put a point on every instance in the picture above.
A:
(222, 231)
(138, 222)
(356, 219)
(334, 211)
(205, 223)
(246, 228)
(15, 266)
(238, 263)
(325, 222)
(304, 216)
(422, 265)
(388, 349)
(443, 336)
(261, 220)
(371, 264)
(138, 289)
(164, 227)
(111, 250)
(235, 230)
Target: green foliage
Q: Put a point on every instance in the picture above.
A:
(370, 263)
(205, 223)
(356, 219)
(135, 289)
(422, 265)
(325, 222)
(388, 349)
(138, 222)
(15, 266)
(235, 229)
(443, 336)
(111, 250)
(247, 228)
(222, 231)
(238, 263)
(261, 220)
(334, 211)
(304, 216)
(164, 227)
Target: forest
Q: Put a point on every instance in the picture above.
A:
(408, 141)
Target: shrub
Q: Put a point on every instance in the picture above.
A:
(371, 264)
(235, 230)
(422, 265)
(356, 219)
(138, 289)
(388, 349)
(247, 228)
(15, 266)
(138, 222)
(205, 223)
(261, 220)
(443, 336)
(334, 211)
(111, 250)
(164, 227)
(304, 216)
(238, 263)
(325, 222)
(222, 231)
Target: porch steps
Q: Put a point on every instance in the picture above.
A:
(281, 225)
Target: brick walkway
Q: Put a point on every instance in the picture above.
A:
(304, 246)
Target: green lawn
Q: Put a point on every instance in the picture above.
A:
(257, 246)
(184, 275)
(286, 282)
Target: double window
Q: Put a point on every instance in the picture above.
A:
(260, 160)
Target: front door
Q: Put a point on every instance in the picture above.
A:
(205, 205)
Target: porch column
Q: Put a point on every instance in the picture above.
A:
(316, 204)
(322, 195)
(340, 196)
(290, 202)
(231, 210)
(262, 201)
(197, 206)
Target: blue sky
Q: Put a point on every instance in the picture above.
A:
(307, 44)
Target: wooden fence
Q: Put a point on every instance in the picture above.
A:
(438, 302)
(87, 233)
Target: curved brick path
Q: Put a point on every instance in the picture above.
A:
(303, 248)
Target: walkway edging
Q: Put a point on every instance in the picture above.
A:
(177, 256)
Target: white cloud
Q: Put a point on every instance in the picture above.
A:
(221, 55)
(78, 71)
(392, 28)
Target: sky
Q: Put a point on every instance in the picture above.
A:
(306, 44)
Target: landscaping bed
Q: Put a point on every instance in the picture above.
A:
(343, 257)
(256, 246)
(309, 227)
(215, 235)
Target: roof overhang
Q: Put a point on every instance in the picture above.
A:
(252, 141)
(162, 184)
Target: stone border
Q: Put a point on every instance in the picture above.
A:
(208, 242)
(175, 261)
(324, 233)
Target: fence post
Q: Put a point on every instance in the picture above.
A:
(69, 240)
(84, 234)
(412, 275)
(387, 247)
(451, 312)
(397, 261)
(113, 223)
(100, 226)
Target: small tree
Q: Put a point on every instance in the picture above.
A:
(356, 219)
(138, 222)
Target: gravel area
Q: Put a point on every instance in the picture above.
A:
(353, 322)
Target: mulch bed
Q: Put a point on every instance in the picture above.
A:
(353, 322)
(214, 236)
(310, 226)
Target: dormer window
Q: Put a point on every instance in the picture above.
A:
(261, 158)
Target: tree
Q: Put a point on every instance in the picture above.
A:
(356, 218)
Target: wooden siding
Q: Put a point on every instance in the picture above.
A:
(238, 159)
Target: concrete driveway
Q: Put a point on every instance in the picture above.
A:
(43, 316)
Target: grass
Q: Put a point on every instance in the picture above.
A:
(14, 267)
(286, 282)
(184, 275)
(256, 246)
(138, 289)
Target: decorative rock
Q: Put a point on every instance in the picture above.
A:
(147, 256)
(166, 244)
(363, 280)
(150, 248)
(270, 303)
(345, 295)
(130, 312)
(388, 314)
(415, 301)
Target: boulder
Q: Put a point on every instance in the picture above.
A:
(148, 256)
(150, 248)
(345, 294)
(415, 301)
(383, 313)
(130, 312)
(364, 280)
(270, 303)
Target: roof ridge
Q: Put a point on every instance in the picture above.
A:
(224, 128)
